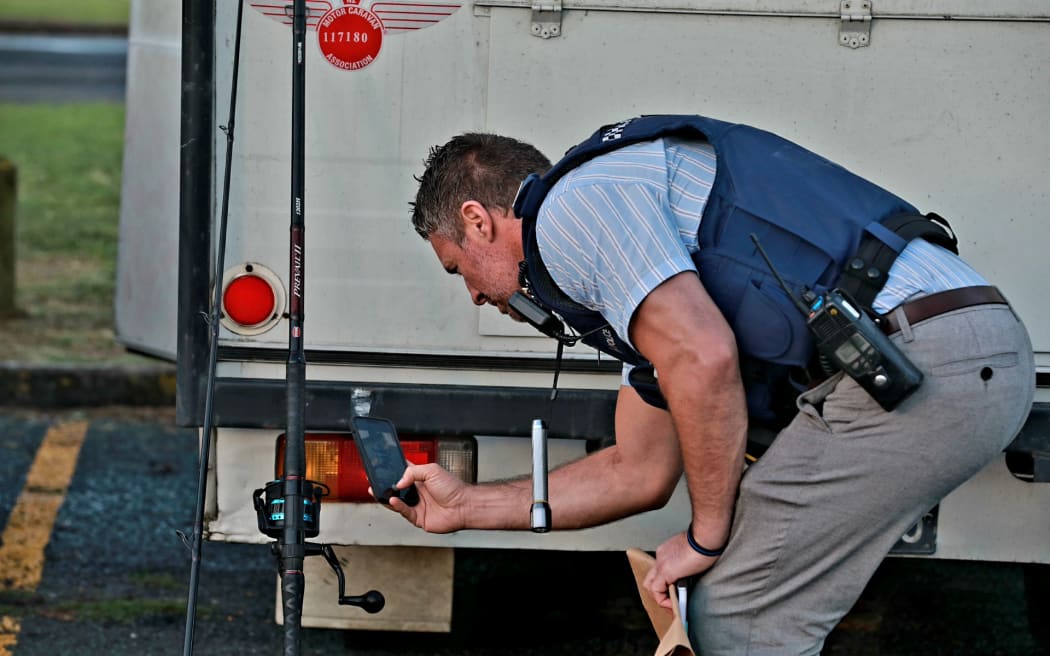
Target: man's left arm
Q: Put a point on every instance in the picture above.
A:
(680, 330)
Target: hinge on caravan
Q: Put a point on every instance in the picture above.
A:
(855, 31)
(546, 18)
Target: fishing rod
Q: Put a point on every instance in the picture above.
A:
(291, 546)
(289, 509)
(213, 350)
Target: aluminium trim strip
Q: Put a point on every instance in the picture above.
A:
(769, 10)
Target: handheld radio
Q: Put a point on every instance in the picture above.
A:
(850, 340)
(537, 317)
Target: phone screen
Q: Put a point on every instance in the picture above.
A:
(385, 463)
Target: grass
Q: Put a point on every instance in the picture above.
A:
(122, 611)
(86, 12)
(102, 610)
(69, 161)
(69, 164)
(157, 581)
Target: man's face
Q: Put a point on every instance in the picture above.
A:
(487, 262)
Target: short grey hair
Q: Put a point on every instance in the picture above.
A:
(487, 168)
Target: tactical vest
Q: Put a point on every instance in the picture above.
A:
(822, 227)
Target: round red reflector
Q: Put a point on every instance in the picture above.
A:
(249, 300)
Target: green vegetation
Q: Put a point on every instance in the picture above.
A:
(88, 12)
(122, 611)
(68, 159)
(69, 164)
(157, 580)
(13, 603)
(117, 611)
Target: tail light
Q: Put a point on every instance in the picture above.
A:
(252, 299)
(332, 459)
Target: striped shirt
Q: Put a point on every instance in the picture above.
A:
(613, 229)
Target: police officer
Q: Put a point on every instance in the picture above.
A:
(642, 235)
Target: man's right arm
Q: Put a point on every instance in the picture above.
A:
(636, 474)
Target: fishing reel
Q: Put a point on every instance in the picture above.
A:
(271, 511)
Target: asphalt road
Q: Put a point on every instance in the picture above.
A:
(44, 68)
(116, 574)
(115, 577)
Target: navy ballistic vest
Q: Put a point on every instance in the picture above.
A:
(809, 214)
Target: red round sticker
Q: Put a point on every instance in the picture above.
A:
(350, 37)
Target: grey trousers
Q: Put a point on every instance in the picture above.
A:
(818, 512)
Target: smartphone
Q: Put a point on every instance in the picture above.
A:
(376, 441)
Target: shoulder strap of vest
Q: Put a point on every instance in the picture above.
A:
(867, 271)
(534, 188)
(539, 280)
(606, 139)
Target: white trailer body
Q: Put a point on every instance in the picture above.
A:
(944, 103)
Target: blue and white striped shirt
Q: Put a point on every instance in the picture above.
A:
(613, 229)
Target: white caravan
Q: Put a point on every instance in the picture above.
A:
(944, 103)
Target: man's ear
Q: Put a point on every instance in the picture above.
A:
(477, 221)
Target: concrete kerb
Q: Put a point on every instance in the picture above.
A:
(28, 385)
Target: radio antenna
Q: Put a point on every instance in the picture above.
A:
(769, 263)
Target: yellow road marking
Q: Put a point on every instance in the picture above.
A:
(32, 519)
(9, 628)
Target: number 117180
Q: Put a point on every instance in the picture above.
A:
(344, 36)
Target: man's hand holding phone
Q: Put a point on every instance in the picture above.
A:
(380, 450)
(442, 499)
(426, 495)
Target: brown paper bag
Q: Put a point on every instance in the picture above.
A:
(669, 628)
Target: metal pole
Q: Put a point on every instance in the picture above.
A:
(8, 195)
(209, 397)
(292, 544)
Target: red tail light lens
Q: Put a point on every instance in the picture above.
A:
(252, 299)
(333, 459)
(249, 300)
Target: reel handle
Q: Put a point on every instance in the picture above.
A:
(372, 601)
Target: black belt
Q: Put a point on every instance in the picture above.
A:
(939, 303)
